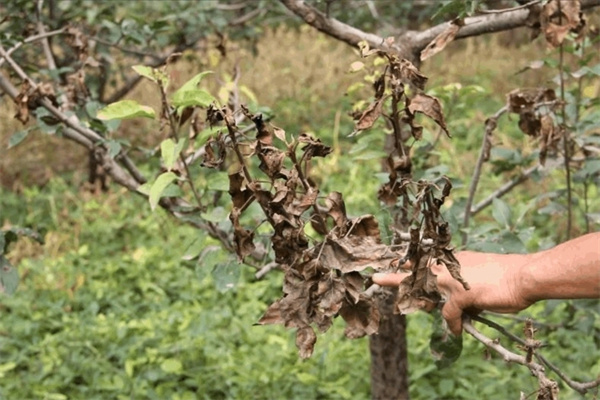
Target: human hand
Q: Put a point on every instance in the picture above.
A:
(495, 282)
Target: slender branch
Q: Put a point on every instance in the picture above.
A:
(45, 43)
(581, 387)
(502, 190)
(483, 24)
(125, 49)
(546, 385)
(484, 154)
(31, 39)
(526, 5)
(565, 131)
(266, 269)
(332, 26)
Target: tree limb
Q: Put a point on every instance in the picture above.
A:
(546, 384)
(581, 387)
(479, 25)
(332, 26)
(411, 43)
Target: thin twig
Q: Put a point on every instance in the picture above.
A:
(266, 269)
(45, 43)
(125, 49)
(581, 387)
(565, 132)
(526, 5)
(490, 125)
(536, 369)
(502, 190)
(31, 39)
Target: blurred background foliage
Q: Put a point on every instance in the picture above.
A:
(110, 307)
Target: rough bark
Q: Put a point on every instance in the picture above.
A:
(389, 363)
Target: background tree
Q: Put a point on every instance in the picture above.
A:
(82, 84)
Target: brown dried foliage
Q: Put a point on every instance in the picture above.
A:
(322, 278)
(535, 107)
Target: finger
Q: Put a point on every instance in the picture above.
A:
(453, 317)
(388, 279)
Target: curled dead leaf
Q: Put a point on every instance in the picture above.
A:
(439, 43)
(429, 106)
(370, 115)
(305, 341)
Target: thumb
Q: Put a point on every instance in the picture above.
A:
(393, 279)
(453, 316)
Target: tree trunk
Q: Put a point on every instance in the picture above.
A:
(389, 363)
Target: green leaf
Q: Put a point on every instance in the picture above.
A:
(171, 366)
(192, 84)
(18, 137)
(501, 212)
(125, 109)
(9, 277)
(218, 181)
(159, 186)
(226, 276)
(209, 260)
(114, 148)
(191, 98)
(170, 151)
(194, 249)
(154, 74)
(444, 347)
(167, 153)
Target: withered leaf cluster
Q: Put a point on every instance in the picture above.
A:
(322, 276)
(556, 19)
(401, 72)
(322, 279)
(418, 208)
(429, 243)
(535, 107)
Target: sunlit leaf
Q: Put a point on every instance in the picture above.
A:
(159, 186)
(154, 74)
(192, 84)
(501, 212)
(125, 109)
(191, 98)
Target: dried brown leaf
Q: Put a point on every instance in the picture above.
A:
(439, 43)
(337, 209)
(354, 283)
(453, 266)
(241, 198)
(314, 147)
(272, 315)
(408, 73)
(243, 238)
(429, 106)
(558, 18)
(520, 100)
(330, 295)
(214, 152)
(305, 341)
(361, 318)
(370, 115)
